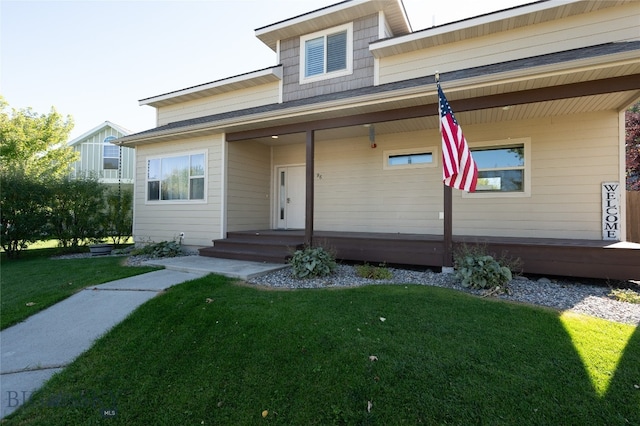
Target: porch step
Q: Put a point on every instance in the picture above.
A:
(254, 246)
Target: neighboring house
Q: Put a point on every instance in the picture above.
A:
(99, 157)
(339, 143)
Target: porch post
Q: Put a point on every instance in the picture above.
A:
(310, 176)
(447, 260)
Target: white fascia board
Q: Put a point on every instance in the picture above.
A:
(307, 17)
(96, 130)
(119, 128)
(223, 85)
(620, 59)
(377, 47)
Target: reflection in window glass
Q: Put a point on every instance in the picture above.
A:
(196, 189)
(153, 190)
(110, 163)
(176, 178)
(501, 181)
(153, 169)
(197, 165)
(407, 159)
(110, 154)
(499, 157)
(501, 169)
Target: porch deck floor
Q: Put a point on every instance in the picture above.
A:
(563, 257)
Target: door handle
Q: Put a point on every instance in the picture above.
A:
(288, 200)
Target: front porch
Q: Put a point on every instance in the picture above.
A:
(562, 257)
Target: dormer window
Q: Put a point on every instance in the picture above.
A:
(326, 54)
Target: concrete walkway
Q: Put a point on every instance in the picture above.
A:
(33, 350)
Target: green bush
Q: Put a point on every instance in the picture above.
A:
(373, 272)
(119, 215)
(625, 295)
(77, 211)
(478, 270)
(161, 249)
(312, 262)
(24, 216)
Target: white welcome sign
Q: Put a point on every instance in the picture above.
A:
(611, 217)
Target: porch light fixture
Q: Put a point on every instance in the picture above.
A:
(507, 107)
(274, 137)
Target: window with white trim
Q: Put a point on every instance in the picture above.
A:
(326, 54)
(409, 158)
(110, 154)
(503, 168)
(178, 178)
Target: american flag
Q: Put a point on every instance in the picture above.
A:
(459, 170)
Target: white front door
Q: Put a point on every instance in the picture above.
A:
(291, 197)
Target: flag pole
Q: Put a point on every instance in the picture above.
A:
(447, 260)
(447, 255)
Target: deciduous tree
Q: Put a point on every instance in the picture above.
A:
(35, 144)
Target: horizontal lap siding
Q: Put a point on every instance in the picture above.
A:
(571, 156)
(201, 222)
(249, 178)
(604, 26)
(354, 193)
(265, 94)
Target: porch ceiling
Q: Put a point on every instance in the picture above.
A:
(489, 115)
(463, 97)
(459, 99)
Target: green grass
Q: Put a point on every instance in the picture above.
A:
(35, 281)
(212, 352)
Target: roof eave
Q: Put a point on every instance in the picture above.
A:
(335, 15)
(432, 36)
(452, 86)
(253, 78)
(96, 130)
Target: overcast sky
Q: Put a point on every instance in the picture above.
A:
(94, 60)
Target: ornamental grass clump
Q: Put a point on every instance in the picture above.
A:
(478, 270)
(625, 295)
(312, 262)
(374, 272)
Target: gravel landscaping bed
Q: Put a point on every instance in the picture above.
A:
(588, 297)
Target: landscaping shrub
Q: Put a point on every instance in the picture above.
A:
(161, 249)
(373, 272)
(625, 295)
(24, 215)
(479, 270)
(119, 215)
(312, 262)
(77, 211)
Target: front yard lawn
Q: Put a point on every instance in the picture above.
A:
(213, 352)
(36, 281)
